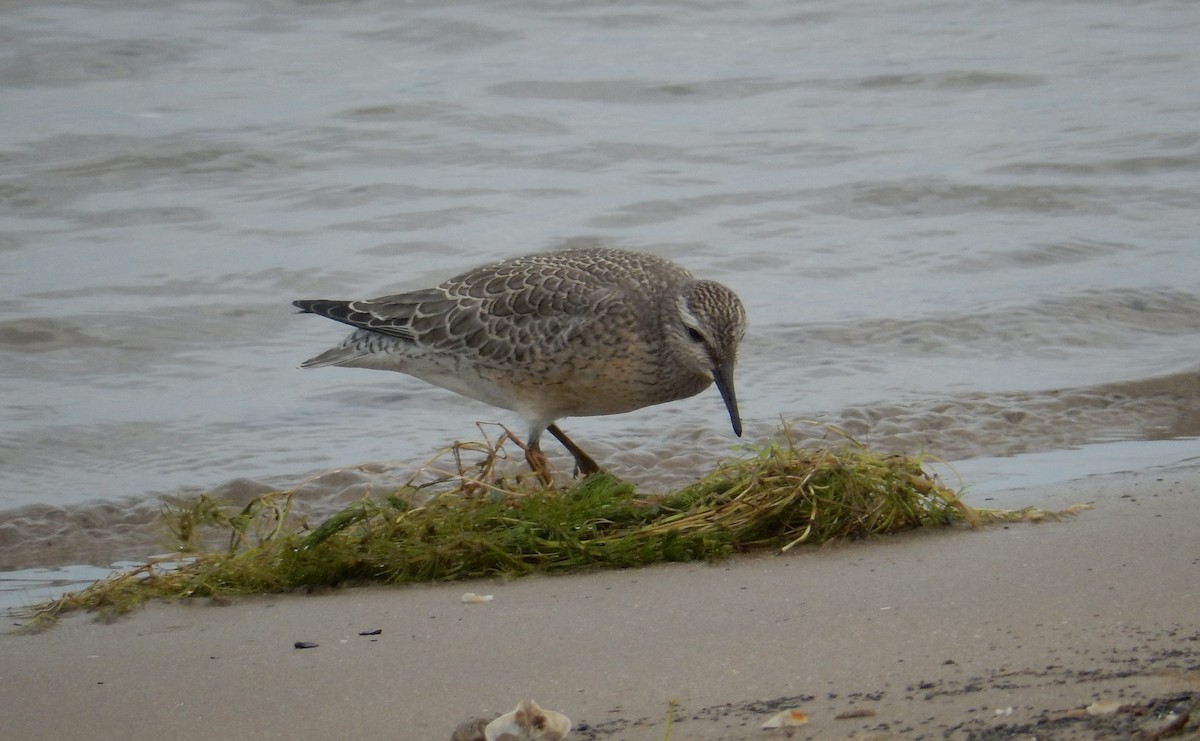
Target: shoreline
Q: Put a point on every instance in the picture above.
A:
(944, 633)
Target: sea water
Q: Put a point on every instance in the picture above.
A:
(967, 229)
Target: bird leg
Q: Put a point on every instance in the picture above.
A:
(537, 462)
(584, 465)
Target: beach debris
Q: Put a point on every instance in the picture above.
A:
(855, 713)
(1103, 707)
(376, 632)
(305, 644)
(1160, 718)
(473, 525)
(787, 719)
(471, 730)
(472, 598)
(528, 722)
(1173, 724)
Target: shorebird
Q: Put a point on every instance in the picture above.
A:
(572, 333)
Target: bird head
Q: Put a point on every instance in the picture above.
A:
(706, 331)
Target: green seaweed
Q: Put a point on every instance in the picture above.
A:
(481, 525)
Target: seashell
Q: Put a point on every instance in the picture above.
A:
(786, 719)
(528, 722)
(1103, 707)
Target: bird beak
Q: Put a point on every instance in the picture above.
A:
(723, 376)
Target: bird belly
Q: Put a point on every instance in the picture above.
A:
(440, 370)
(613, 388)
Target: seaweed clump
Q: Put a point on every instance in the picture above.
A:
(479, 524)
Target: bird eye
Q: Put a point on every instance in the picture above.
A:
(695, 334)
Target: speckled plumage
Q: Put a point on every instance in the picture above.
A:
(559, 334)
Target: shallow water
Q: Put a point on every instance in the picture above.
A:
(957, 228)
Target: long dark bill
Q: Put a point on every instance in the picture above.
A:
(723, 375)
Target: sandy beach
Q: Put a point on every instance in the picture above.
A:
(1007, 632)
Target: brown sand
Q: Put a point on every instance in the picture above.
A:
(1007, 632)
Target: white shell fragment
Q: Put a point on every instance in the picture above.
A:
(1103, 707)
(786, 719)
(471, 597)
(528, 722)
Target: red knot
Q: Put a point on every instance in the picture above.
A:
(573, 333)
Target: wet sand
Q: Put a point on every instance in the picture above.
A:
(1007, 632)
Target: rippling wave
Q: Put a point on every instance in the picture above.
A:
(958, 228)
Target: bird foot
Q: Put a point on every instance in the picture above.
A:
(584, 464)
(539, 465)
